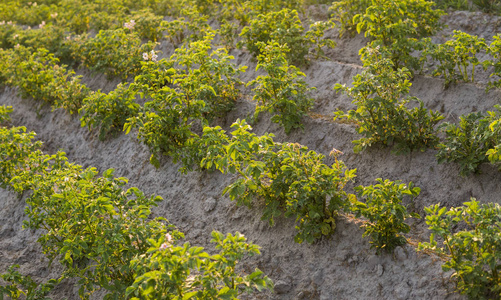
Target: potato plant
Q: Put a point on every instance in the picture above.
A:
(468, 142)
(15, 145)
(288, 178)
(454, 4)
(109, 112)
(7, 35)
(455, 56)
(385, 213)
(31, 14)
(24, 287)
(5, 114)
(38, 75)
(488, 6)
(494, 153)
(282, 92)
(315, 35)
(102, 234)
(343, 11)
(94, 226)
(494, 50)
(192, 26)
(148, 25)
(382, 117)
(284, 27)
(116, 53)
(208, 75)
(164, 123)
(50, 37)
(167, 269)
(468, 236)
(398, 26)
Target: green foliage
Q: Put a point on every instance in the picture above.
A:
(94, 227)
(456, 55)
(282, 91)
(164, 123)
(5, 113)
(148, 25)
(494, 153)
(385, 213)
(117, 53)
(381, 95)
(190, 27)
(397, 26)
(286, 178)
(206, 74)
(7, 33)
(228, 31)
(15, 146)
(204, 87)
(100, 233)
(109, 112)
(473, 251)
(315, 35)
(488, 6)
(468, 142)
(38, 75)
(284, 27)
(167, 270)
(265, 6)
(52, 38)
(343, 12)
(494, 50)
(31, 14)
(454, 4)
(24, 287)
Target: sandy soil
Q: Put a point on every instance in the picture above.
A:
(340, 267)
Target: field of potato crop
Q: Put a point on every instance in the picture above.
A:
(235, 149)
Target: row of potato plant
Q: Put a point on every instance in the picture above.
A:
(205, 79)
(285, 27)
(399, 55)
(468, 238)
(382, 116)
(397, 27)
(472, 251)
(473, 141)
(401, 28)
(152, 85)
(289, 179)
(102, 235)
(190, 22)
(39, 75)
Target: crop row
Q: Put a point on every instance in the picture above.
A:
(102, 235)
(165, 124)
(182, 90)
(120, 52)
(291, 179)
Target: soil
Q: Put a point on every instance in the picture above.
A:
(342, 266)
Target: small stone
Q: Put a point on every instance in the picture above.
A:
(282, 287)
(400, 254)
(353, 259)
(304, 295)
(402, 291)
(326, 295)
(210, 204)
(342, 255)
(318, 277)
(379, 270)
